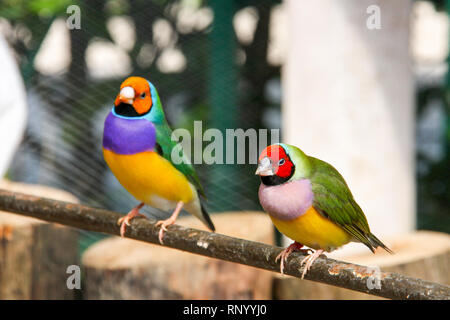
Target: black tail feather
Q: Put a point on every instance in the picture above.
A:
(375, 242)
(208, 220)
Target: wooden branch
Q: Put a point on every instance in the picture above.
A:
(329, 271)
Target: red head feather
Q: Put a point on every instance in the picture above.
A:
(281, 162)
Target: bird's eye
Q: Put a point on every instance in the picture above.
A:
(281, 162)
(143, 95)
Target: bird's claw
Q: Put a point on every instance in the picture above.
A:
(168, 222)
(309, 260)
(164, 224)
(125, 221)
(161, 223)
(283, 255)
(278, 257)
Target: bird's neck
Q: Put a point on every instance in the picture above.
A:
(273, 180)
(286, 201)
(128, 136)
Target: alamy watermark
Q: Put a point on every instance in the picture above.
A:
(374, 280)
(220, 149)
(373, 22)
(74, 280)
(74, 19)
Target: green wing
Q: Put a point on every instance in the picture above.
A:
(165, 145)
(333, 199)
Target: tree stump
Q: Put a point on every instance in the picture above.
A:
(421, 254)
(34, 255)
(117, 268)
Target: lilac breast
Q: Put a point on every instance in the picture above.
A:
(128, 136)
(286, 201)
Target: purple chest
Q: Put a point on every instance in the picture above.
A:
(286, 201)
(128, 136)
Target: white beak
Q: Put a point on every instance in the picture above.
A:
(265, 168)
(127, 95)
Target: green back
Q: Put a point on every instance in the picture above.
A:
(163, 139)
(332, 197)
(334, 200)
(165, 145)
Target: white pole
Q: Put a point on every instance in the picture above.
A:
(13, 106)
(348, 100)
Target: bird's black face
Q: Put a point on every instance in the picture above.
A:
(134, 98)
(126, 110)
(273, 180)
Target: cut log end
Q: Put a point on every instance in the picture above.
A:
(35, 254)
(118, 268)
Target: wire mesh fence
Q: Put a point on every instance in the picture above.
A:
(192, 51)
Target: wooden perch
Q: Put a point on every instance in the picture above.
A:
(329, 271)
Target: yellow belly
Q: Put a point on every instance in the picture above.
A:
(146, 175)
(313, 230)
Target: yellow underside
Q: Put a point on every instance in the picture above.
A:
(313, 230)
(147, 174)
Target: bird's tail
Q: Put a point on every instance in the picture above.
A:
(207, 218)
(375, 243)
(197, 209)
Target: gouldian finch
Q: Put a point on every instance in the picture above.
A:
(310, 202)
(137, 147)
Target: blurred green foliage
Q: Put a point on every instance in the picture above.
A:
(22, 10)
(433, 174)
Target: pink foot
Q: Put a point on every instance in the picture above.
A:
(310, 260)
(125, 221)
(286, 252)
(168, 222)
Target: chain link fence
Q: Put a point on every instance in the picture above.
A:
(207, 60)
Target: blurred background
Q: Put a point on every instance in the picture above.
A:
(229, 63)
(224, 71)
